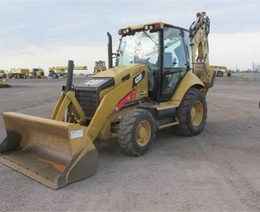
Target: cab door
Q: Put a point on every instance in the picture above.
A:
(175, 60)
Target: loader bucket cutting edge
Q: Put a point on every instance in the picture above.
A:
(52, 152)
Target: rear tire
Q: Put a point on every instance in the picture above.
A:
(137, 132)
(192, 114)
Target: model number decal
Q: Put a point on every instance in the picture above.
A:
(138, 78)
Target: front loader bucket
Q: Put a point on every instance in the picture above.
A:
(52, 152)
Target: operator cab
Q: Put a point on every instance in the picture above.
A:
(164, 49)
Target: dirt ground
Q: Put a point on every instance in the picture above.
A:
(218, 170)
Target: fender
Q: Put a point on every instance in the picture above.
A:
(189, 80)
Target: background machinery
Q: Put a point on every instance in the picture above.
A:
(3, 74)
(99, 66)
(4, 79)
(19, 73)
(61, 71)
(37, 73)
(157, 81)
(221, 70)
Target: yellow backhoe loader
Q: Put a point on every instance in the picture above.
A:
(157, 82)
(99, 66)
(61, 71)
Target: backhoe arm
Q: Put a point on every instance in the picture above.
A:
(199, 31)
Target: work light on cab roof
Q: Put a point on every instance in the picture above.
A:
(152, 26)
(155, 26)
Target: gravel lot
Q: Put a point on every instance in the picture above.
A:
(219, 170)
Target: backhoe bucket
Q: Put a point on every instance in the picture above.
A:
(52, 152)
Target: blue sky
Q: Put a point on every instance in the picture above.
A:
(45, 33)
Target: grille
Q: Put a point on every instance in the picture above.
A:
(88, 100)
(87, 94)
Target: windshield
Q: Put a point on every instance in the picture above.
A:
(142, 47)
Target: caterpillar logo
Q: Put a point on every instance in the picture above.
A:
(138, 78)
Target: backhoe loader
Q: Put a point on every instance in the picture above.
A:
(156, 81)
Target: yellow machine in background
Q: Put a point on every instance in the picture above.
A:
(221, 70)
(99, 66)
(4, 83)
(19, 73)
(61, 71)
(4, 79)
(3, 74)
(37, 73)
(157, 82)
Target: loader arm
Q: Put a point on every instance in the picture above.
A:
(65, 101)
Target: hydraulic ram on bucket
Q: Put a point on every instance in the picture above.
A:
(51, 151)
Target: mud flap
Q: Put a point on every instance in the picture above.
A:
(52, 152)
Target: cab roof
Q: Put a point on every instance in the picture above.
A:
(156, 25)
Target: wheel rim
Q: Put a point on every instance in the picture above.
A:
(143, 133)
(196, 113)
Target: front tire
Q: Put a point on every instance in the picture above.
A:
(137, 132)
(192, 114)
(220, 74)
(54, 76)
